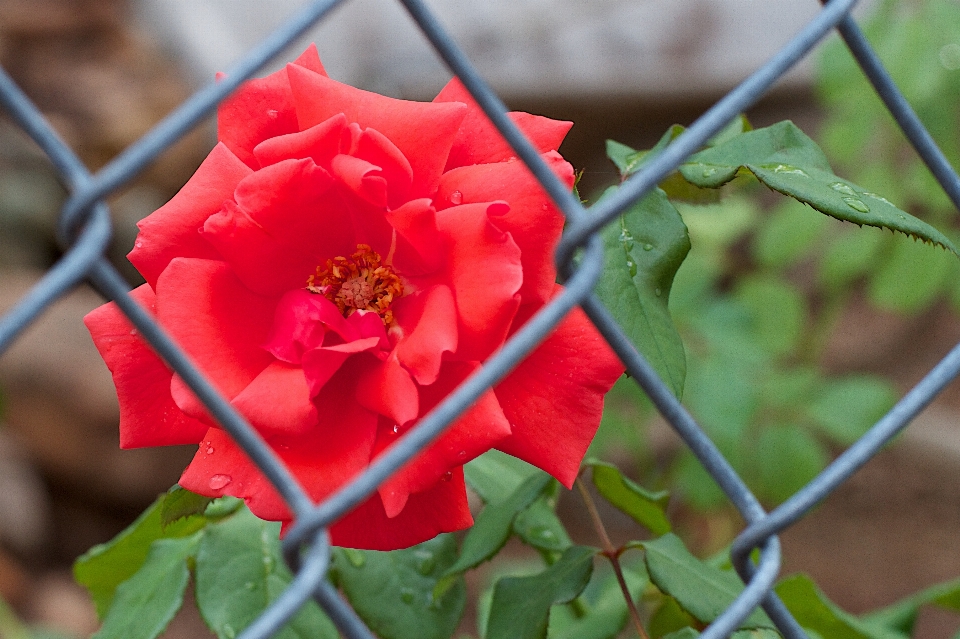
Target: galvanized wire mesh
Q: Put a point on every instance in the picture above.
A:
(84, 230)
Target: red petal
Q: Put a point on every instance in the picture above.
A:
(554, 398)
(217, 321)
(277, 401)
(320, 364)
(386, 388)
(173, 230)
(419, 249)
(429, 321)
(148, 415)
(262, 108)
(533, 221)
(478, 141)
(375, 148)
(485, 272)
(319, 143)
(474, 433)
(422, 131)
(363, 179)
(442, 508)
(301, 322)
(285, 222)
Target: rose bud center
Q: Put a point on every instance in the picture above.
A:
(358, 283)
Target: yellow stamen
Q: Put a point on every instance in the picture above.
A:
(358, 283)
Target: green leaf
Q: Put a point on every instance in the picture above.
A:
(647, 508)
(539, 526)
(787, 457)
(702, 590)
(521, 605)
(813, 610)
(778, 311)
(909, 277)
(642, 254)
(600, 612)
(105, 566)
(145, 603)
(902, 615)
(669, 618)
(393, 592)
(790, 232)
(846, 408)
(786, 160)
(750, 633)
(179, 503)
(683, 633)
(495, 475)
(240, 571)
(492, 527)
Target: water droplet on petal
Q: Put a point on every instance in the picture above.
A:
(456, 197)
(138, 244)
(219, 481)
(447, 476)
(395, 430)
(856, 204)
(272, 113)
(407, 595)
(462, 454)
(133, 331)
(209, 449)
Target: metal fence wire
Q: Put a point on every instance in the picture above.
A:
(84, 230)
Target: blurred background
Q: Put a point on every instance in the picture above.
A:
(800, 331)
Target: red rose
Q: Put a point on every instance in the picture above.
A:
(339, 263)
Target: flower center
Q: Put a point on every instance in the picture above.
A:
(358, 283)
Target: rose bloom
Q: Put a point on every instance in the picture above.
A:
(340, 263)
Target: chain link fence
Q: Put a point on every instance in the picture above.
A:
(84, 230)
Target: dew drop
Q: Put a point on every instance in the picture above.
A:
(856, 204)
(269, 562)
(626, 239)
(407, 595)
(356, 558)
(395, 430)
(633, 268)
(209, 449)
(425, 563)
(133, 331)
(462, 454)
(447, 476)
(543, 533)
(648, 247)
(228, 631)
(657, 292)
(456, 197)
(709, 172)
(840, 187)
(219, 481)
(272, 113)
(786, 168)
(138, 244)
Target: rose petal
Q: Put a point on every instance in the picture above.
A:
(286, 221)
(485, 273)
(261, 109)
(218, 322)
(478, 430)
(301, 322)
(533, 221)
(173, 229)
(319, 143)
(277, 401)
(442, 508)
(478, 141)
(361, 178)
(320, 364)
(148, 415)
(374, 147)
(554, 398)
(429, 323)
(422, 131)
(386, 388)
(419, 249)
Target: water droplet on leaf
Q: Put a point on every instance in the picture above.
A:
(228, 631)
(648, 247)
(656, 292)
(456, 197)
(840, 187)
(709, 172)
(633, 268)
(856, 204)
(219, 481)
(269, 562)
(356, 558)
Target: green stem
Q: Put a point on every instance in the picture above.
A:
(612, 554)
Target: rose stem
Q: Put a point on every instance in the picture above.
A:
(613, 555)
